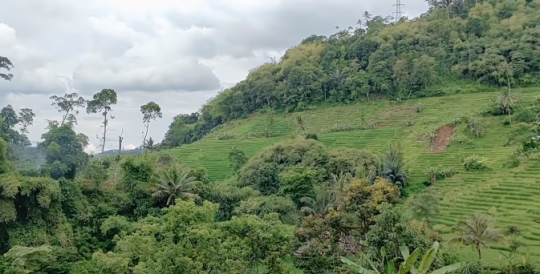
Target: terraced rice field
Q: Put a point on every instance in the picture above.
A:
(511, 195)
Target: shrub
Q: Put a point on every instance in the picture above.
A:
(525, 115)
(457, 120)
(225, 136)
(419, 107)
(370, 125)
(474, 127)
(341, 127)
(433, 174)
(408, 123)
(448, 172)
(474, 162)
(437, 173)
(512, 162)
(460, 139)
(312, 136)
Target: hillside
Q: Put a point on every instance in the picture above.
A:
(508, 194)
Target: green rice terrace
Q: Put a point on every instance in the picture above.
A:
(430, 135)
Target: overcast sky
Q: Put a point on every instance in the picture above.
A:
(178, 53)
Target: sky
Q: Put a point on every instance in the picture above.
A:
(177, 53)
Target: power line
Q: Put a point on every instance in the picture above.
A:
(398, 12)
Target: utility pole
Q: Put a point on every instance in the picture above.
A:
(398, 12)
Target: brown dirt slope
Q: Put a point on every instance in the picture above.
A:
(444, 135)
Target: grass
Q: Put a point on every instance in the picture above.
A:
(507, 194)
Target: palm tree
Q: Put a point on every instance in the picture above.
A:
(319, 204)
(477, 231)
(408, 264)
(393, 167)
(175, 184)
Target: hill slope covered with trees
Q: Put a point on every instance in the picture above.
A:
(494, 43)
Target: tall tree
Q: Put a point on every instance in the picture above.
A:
(101, 103)
(26, 119)
(477, 231)
(68, 105)
(150, 111)
(6, 64)
(9, 116)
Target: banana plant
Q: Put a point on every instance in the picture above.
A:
(408, 264)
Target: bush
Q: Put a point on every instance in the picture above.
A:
(474, 163)
(437, 173)
(512, 162)
(418, 107)
(342, 127)
(525, 115)
(474, 127)
(225, 136)
(312, 136)
(448, 172)
(460, 139)
(408, 123)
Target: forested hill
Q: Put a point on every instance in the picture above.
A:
(493, 42)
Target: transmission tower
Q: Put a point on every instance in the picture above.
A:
(398, 12)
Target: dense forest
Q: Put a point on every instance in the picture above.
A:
(297, 206)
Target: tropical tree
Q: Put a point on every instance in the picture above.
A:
(425, 207)
(408, 264)
(102, 102)
(174, 183)
(477, 231)
(393, 167)
(319, 204)
(150, 111)
(68, 105)
(6, 64)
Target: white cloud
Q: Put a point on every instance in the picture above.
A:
(130, 146)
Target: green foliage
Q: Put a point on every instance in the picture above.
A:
(6, 64)
(233, 246)
(474, 127)
(312, 136)
(425, 207)
(477, 231)
(393, 167)
(297, 182)
(228, 196)
(474, 163)
(264, 205)
(102, 103)
(68, 106)
(408, 264)
(65, 156)
(262, 171)
(237, 159)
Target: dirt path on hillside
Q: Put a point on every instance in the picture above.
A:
(444, 135)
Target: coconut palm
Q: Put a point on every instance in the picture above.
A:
(319, 204)
(477, 231)
(173, 184)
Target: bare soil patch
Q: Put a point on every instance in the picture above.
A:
(444, 135)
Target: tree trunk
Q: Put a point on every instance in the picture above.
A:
(479, 252)
(144, 139)
(104, 131)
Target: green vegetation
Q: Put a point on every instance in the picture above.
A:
(420, 134)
